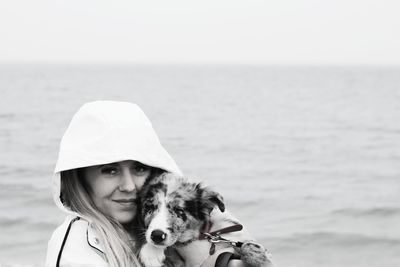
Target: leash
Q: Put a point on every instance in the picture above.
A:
(215, 236)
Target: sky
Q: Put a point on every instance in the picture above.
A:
(360, 32)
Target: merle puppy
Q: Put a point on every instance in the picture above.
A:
(172, 213)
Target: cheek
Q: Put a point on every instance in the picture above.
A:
(98, 185)
(139, 180)
(177, 223)
(103, 188)
(101, 193)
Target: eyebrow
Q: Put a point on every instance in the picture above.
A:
(112, 164)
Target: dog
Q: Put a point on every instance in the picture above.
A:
(173, 212)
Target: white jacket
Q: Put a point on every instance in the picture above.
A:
(100, 132)
(82, 246)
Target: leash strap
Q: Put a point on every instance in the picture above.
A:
(64, 241)
(214, 237)
(229, 229)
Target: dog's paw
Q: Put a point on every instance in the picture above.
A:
(152, 256)
(255, 255)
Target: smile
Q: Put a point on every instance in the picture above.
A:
(127, 203)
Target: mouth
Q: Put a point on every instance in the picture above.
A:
(157, 245)
(125, 203)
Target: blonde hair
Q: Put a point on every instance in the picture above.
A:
(118, 246)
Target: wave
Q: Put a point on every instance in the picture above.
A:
(7, 116)
(26, 222)
(368, 212)
(334, 240)
(16, 265)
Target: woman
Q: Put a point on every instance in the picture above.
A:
(106, 154)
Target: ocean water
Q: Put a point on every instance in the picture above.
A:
(306, 157)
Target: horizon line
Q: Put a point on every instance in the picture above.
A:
(194, 63)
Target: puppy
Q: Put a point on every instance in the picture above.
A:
(173, 212)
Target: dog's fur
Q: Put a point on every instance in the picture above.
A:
(179, 209)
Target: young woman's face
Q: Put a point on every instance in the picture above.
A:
(113, 187)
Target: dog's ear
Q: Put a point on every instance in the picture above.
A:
(211, 198)
(217, 199)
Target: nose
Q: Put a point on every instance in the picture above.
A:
(127, 184)
(158, 236)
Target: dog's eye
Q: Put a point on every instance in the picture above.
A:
(180, 212)
(149, 207)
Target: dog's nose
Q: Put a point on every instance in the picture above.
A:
(158, 236)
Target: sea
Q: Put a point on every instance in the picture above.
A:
(307, 157)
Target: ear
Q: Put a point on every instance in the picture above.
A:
(217, 199)
(211, 198)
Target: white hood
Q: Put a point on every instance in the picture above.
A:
(108, 131)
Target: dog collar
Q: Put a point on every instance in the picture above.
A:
(205, 229)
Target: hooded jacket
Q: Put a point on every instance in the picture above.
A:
(100, 132)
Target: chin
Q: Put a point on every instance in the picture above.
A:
(124, 220)
(124, 217)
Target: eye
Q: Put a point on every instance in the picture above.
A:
(109, 170)
(180, 212)
(141, 169)
(149, 207)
